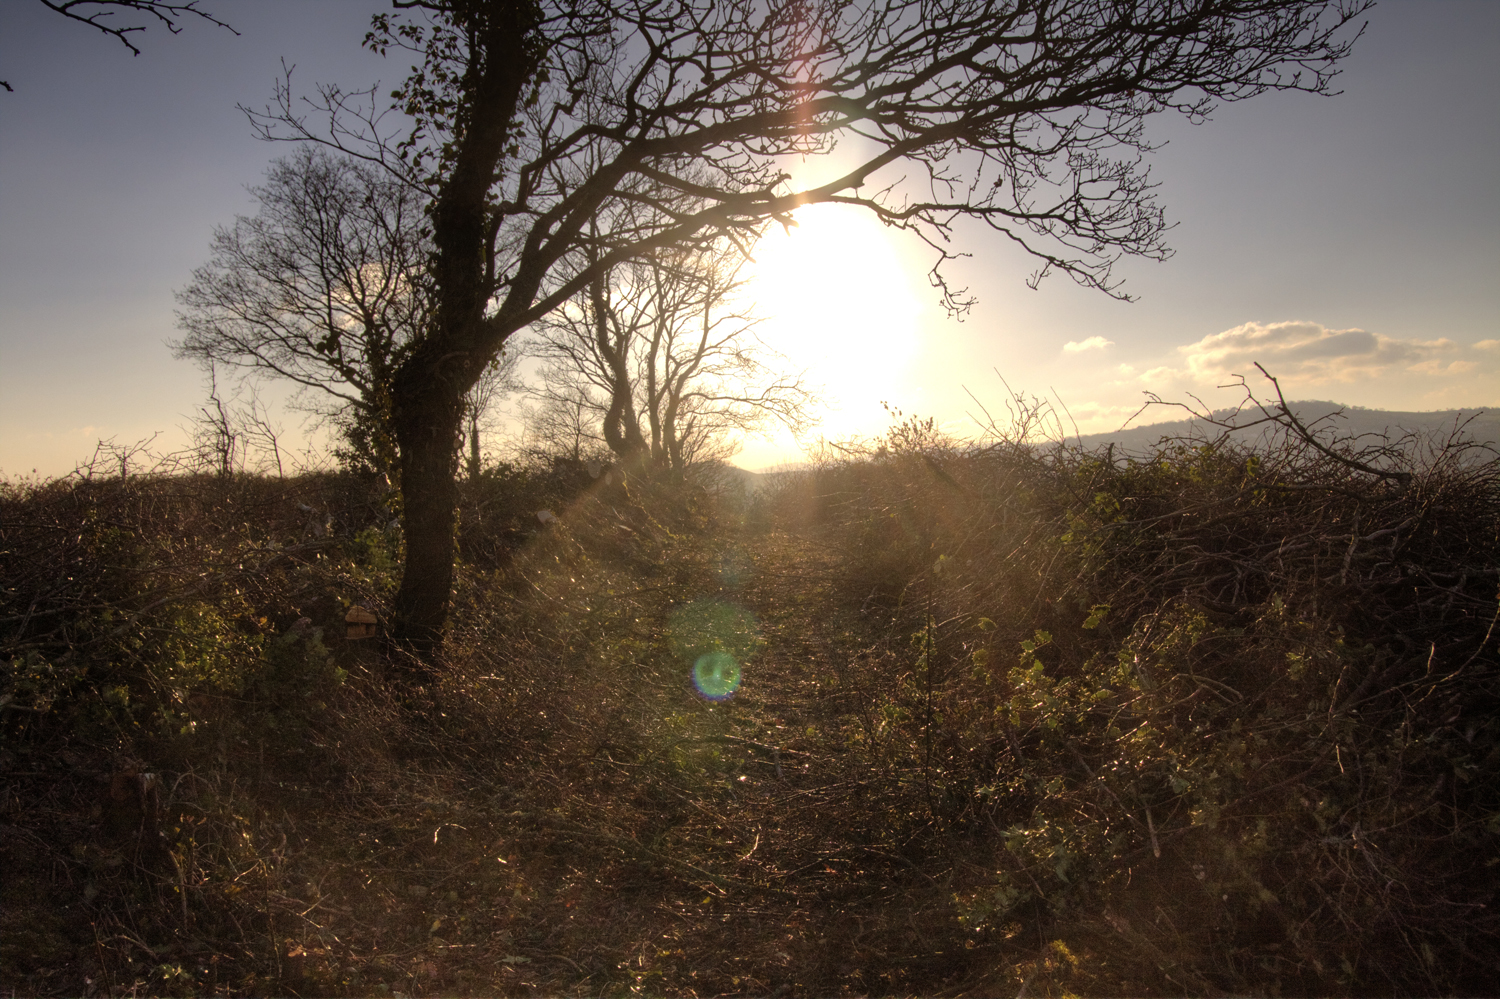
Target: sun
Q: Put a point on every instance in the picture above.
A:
(839, 299)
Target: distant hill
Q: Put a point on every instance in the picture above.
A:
(1482, 425)
(735, 476)
(1479, 425)
(754, 482)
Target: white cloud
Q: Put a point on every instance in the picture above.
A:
(1158, 376)
(1313, 354)
(1437, 367)
(1487, 345)
(1092, 343)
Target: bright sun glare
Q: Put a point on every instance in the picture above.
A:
(839, 300)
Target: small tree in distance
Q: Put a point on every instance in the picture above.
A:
(662, 356)
(323, 287)
(564, 424)
(497, 382)
(326, 287)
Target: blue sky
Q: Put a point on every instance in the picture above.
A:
(1351, 243)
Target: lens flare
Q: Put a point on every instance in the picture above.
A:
(716, 675)
(714, 639)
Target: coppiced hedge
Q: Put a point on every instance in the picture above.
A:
(1219, 718)
(1220, 713)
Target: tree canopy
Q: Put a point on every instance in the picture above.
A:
(560, 140)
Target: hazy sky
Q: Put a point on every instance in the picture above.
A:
(1351, 244)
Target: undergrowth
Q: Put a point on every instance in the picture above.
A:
(1011, 718)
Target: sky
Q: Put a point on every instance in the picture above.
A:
(1349, 244)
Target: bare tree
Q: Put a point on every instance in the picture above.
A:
(323, 287)
(227, 435)
(561, 139)
(497, 382)
(662, 354)
(563, 423)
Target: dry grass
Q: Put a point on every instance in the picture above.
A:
(1012, 719)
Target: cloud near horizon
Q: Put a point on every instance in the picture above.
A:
(1313, 354)
(1092, 343)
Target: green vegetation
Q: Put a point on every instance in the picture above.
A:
(1008, 718)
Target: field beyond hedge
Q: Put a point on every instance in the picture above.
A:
(1011, 719)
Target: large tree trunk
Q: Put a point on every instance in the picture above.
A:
(428, 389)
(427, 428)
(622, 424)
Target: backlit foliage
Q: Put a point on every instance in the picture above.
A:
(1010, 715)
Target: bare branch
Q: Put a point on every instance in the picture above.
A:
(95, 12)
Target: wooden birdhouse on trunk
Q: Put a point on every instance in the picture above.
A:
(361, 623)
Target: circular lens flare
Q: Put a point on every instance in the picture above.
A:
(716, 675)
(715, 639)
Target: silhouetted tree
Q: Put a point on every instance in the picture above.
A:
(562, 139)
(662, 353)
(323, 287)
(563, 424)
(496, 383)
